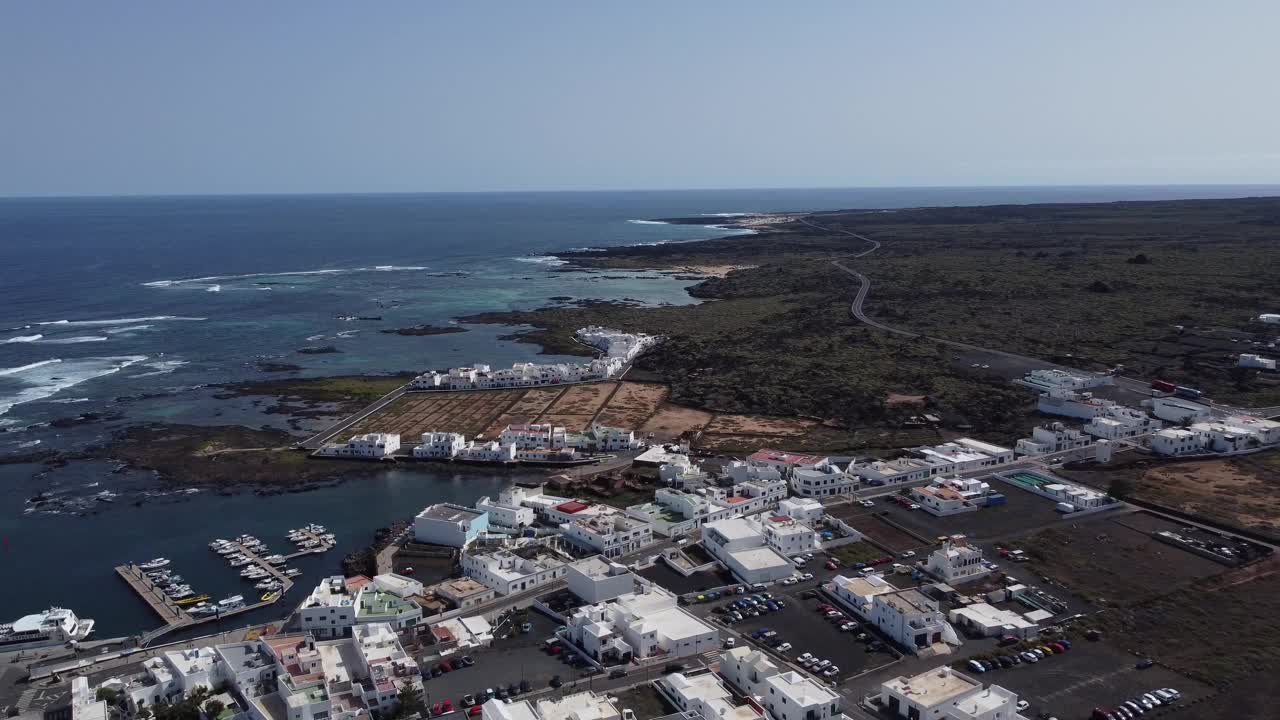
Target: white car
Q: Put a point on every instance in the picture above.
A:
(1023, 705)
(806, 576)
(791, 580)
(805, 658)
(908, 554)
(867, 503)
(800, 561)
(783, 647)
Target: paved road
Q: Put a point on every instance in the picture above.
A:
(315, 441)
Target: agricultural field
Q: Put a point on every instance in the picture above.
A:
(469, 413)
(730, 424)
(581, 400)
(535, 401)
(671, 421)
(573, 423)
(632, 404)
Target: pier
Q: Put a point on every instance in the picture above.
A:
(175, 616)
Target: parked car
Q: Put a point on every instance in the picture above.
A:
(730, 642)
(784, 647)
(1031, 657)
(556, 682)
(1023, 705)
(468, 661)
(1144, 663)
(977, 667)
(474, 711)
(1008, 640)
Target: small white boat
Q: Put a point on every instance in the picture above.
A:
(185, 592)
(292, 572)
(231, 603)
(155, 564)
(242, 560)
(267, 585)
(217, 544)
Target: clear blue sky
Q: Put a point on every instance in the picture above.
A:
(244, 97)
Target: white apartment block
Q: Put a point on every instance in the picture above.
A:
(514, 571)
(741, 547)
(1069, 403)
(610, 535)
(822, 480)
(912, 620)
(857, 593)
(1056, 437)
(962, 455)
(596, 580)
(489, 452)
(1118, 422)
(440, 446)
(741, 472)
(956, 563)
(525, 437)
(945, 694)
(383, 669)
(1178, 441)
(787, 535)
(640, 625)
(806, 510)
(504, 514)
(783, 695)
(329, 610)
(450, 525)
(370, 445)
(1046, 380)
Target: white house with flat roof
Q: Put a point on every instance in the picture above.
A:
(822, 480)
(741, 546)
(987, 620)
(1250, 360)
(957, 562)
(510, 571)
(1178, 410)
(610, 535)
(369, 445)
(806, 510)
(640, 625)
(504, 514)
(705, 695)
(857, 593)
(914, 621)
(1119, 422)
(450, 525)
(596, 580)
(1054, 379)
(783, 695)
(582, 706)
(440, 446)
(1178, 441)
(329, 610)
(945, 694)
(1052, 438)
(786, 534)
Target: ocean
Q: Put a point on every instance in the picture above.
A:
(139, 306)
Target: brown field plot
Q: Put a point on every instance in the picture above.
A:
(411, 415)
(581, 400)
(672, 420)
(758, 425)
(877, 530)
(632, 405)
(575, 423)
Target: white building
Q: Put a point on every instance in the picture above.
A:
(1056, 437)
(1053, 379)
(640, 625)
(528, 436)
(787, 535)
(945, 694)
(1179, 441)
(440, 446)
(986, 620)
(857, 593)
(582, 706)
(956, 563)
(703, 695)
(1249, 360)
(450, 525)
(1069, 403)
(949, 496)
(784, 696)
(1178, 410)
(603, 438)
(784, 462)
(741, 547)
(741, 472)
(516, 570)
(806, 510)
(505, 514)
(383, 669)
(370, 445)
(962, 455)
(912, 620)
(489, 452)
(681, 473)
(1118, 422)
(610, 535)
(397, 584)
(597, 580)
(822, 480)
(329, 610)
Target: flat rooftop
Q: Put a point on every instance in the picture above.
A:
(784, 458)
(448, 513)
(933, 687)
(759, 558)
(734, 529)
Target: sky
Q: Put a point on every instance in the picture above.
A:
(174, 97)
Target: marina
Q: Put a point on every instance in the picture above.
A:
(179, 606)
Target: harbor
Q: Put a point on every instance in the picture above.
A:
(179, 606)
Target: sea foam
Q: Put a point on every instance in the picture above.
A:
(211, 281)
(43, 379)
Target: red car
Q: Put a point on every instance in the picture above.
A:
(475, 710)
(441, 708)
(556, 649)
(830, 565)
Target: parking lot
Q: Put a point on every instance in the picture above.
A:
(508, 660)
(1022, 512)
(1089, 675)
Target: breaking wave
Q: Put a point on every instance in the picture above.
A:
(648, 222)
(75, 340)
(542, 260)
(161, 367)
(43, 379)
(211, 281)
(113, 321)
(23, 339)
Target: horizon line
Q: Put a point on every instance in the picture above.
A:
(138, 196)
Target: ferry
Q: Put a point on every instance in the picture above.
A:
(55, 626)
(155, 564)
(196, 600)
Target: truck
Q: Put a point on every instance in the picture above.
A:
(1163, 386)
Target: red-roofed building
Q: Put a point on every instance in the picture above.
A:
(572, 507)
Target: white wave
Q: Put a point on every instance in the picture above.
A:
(49, 377)
(70, 401)
(648, 222)
(288, 273)
(347, 333)
(23, 339)
(76, 340)
(25, 368)
(29, 444)
(312, 338)
(162, 367)
(128, 328)
(733, 214)
(213, 288)
(542, 260)
(120, 321)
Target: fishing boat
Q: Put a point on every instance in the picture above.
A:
(192, 600)
(155, 564)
